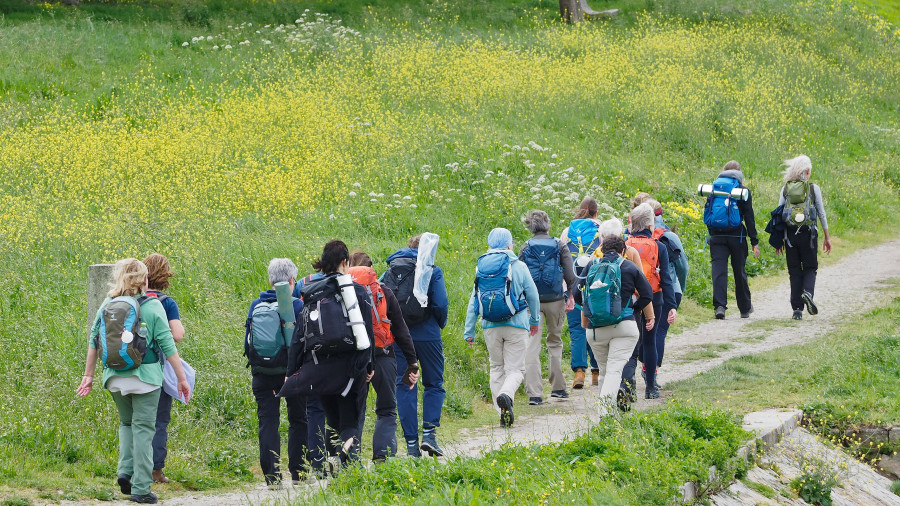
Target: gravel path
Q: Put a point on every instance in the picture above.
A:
(841, 289)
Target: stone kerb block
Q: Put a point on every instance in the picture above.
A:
(99, 278)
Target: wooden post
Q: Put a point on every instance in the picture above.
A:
(99, 278)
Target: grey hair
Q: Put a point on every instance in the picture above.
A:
(797, 168)
(537, 222)
(642, 218)
(612, 227)
(281, 269)
(655, 205)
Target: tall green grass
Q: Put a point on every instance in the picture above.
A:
(686, 86)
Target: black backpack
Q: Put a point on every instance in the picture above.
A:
(400, 278)
(324, 326)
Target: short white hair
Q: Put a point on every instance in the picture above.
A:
(612, 227)
(642, 218)
(797, 169)
(281, 269)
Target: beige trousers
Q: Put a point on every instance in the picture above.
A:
(506, 349)
(554, 313)
(612, 347)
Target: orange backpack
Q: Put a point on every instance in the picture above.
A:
(648, 249)
(380, 324)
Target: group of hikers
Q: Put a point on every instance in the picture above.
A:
(321, 340)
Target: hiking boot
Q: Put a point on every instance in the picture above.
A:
(535, 401)
(559, 394)
(506, 409)
(578, 382)
(430, 445)
(747, 314)
(124, 482)
(159, 476)
(644, 376)
(622, 400)
(798, 315)
(651, 393)
(149, 498)
(412, 448)
(720, 313)
(810, 305)
(595, 377)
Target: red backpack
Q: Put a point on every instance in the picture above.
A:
(648, 249)
(380, 324)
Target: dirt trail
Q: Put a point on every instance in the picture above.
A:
(842, 289)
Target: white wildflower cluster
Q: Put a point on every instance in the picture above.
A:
(313, 31)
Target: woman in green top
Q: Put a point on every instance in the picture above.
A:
(136, 391)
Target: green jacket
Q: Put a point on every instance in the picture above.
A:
(153, 314)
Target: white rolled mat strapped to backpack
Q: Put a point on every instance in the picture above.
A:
(351, 304)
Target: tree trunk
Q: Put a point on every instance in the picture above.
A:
(570, 11)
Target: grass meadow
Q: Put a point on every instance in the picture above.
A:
(223, 134)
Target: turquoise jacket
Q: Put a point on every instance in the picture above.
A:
(522, 283)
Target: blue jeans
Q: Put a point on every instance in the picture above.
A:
(163, 416)
(578, 342)
(431, 361)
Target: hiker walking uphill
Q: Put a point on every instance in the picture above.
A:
(582, 237)
(503, 296)
(550, 264)
(609, 309)
(425, 323)
(728, 216)
(331, 353)
(388, 328)
(268, 336)
(158, 280)
(803, 208)
(130, 334)
(655, 264)
(678, 271)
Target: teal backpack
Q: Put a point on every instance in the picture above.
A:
(602, 293)
(265, 343)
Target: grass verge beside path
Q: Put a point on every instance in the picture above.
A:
(639, 459)
(843, 380)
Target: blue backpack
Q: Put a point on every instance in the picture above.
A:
(602, 294)
(493, 286)
(541, 256)
(722, 212)
(584, 239)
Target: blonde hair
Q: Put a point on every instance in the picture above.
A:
(639, 199)
(642, 218)
(796, 168)
(129, 276)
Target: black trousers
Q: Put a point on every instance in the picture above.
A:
(802, 263)
(343, 415)
(384, 384)
(268, 411)
(720, 249)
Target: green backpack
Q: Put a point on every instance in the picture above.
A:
(601, 293)
(798, 208)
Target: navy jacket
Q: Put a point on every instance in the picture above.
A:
(438, 303)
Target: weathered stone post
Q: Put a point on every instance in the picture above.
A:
(99, 278)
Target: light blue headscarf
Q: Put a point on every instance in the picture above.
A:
(500, 238)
